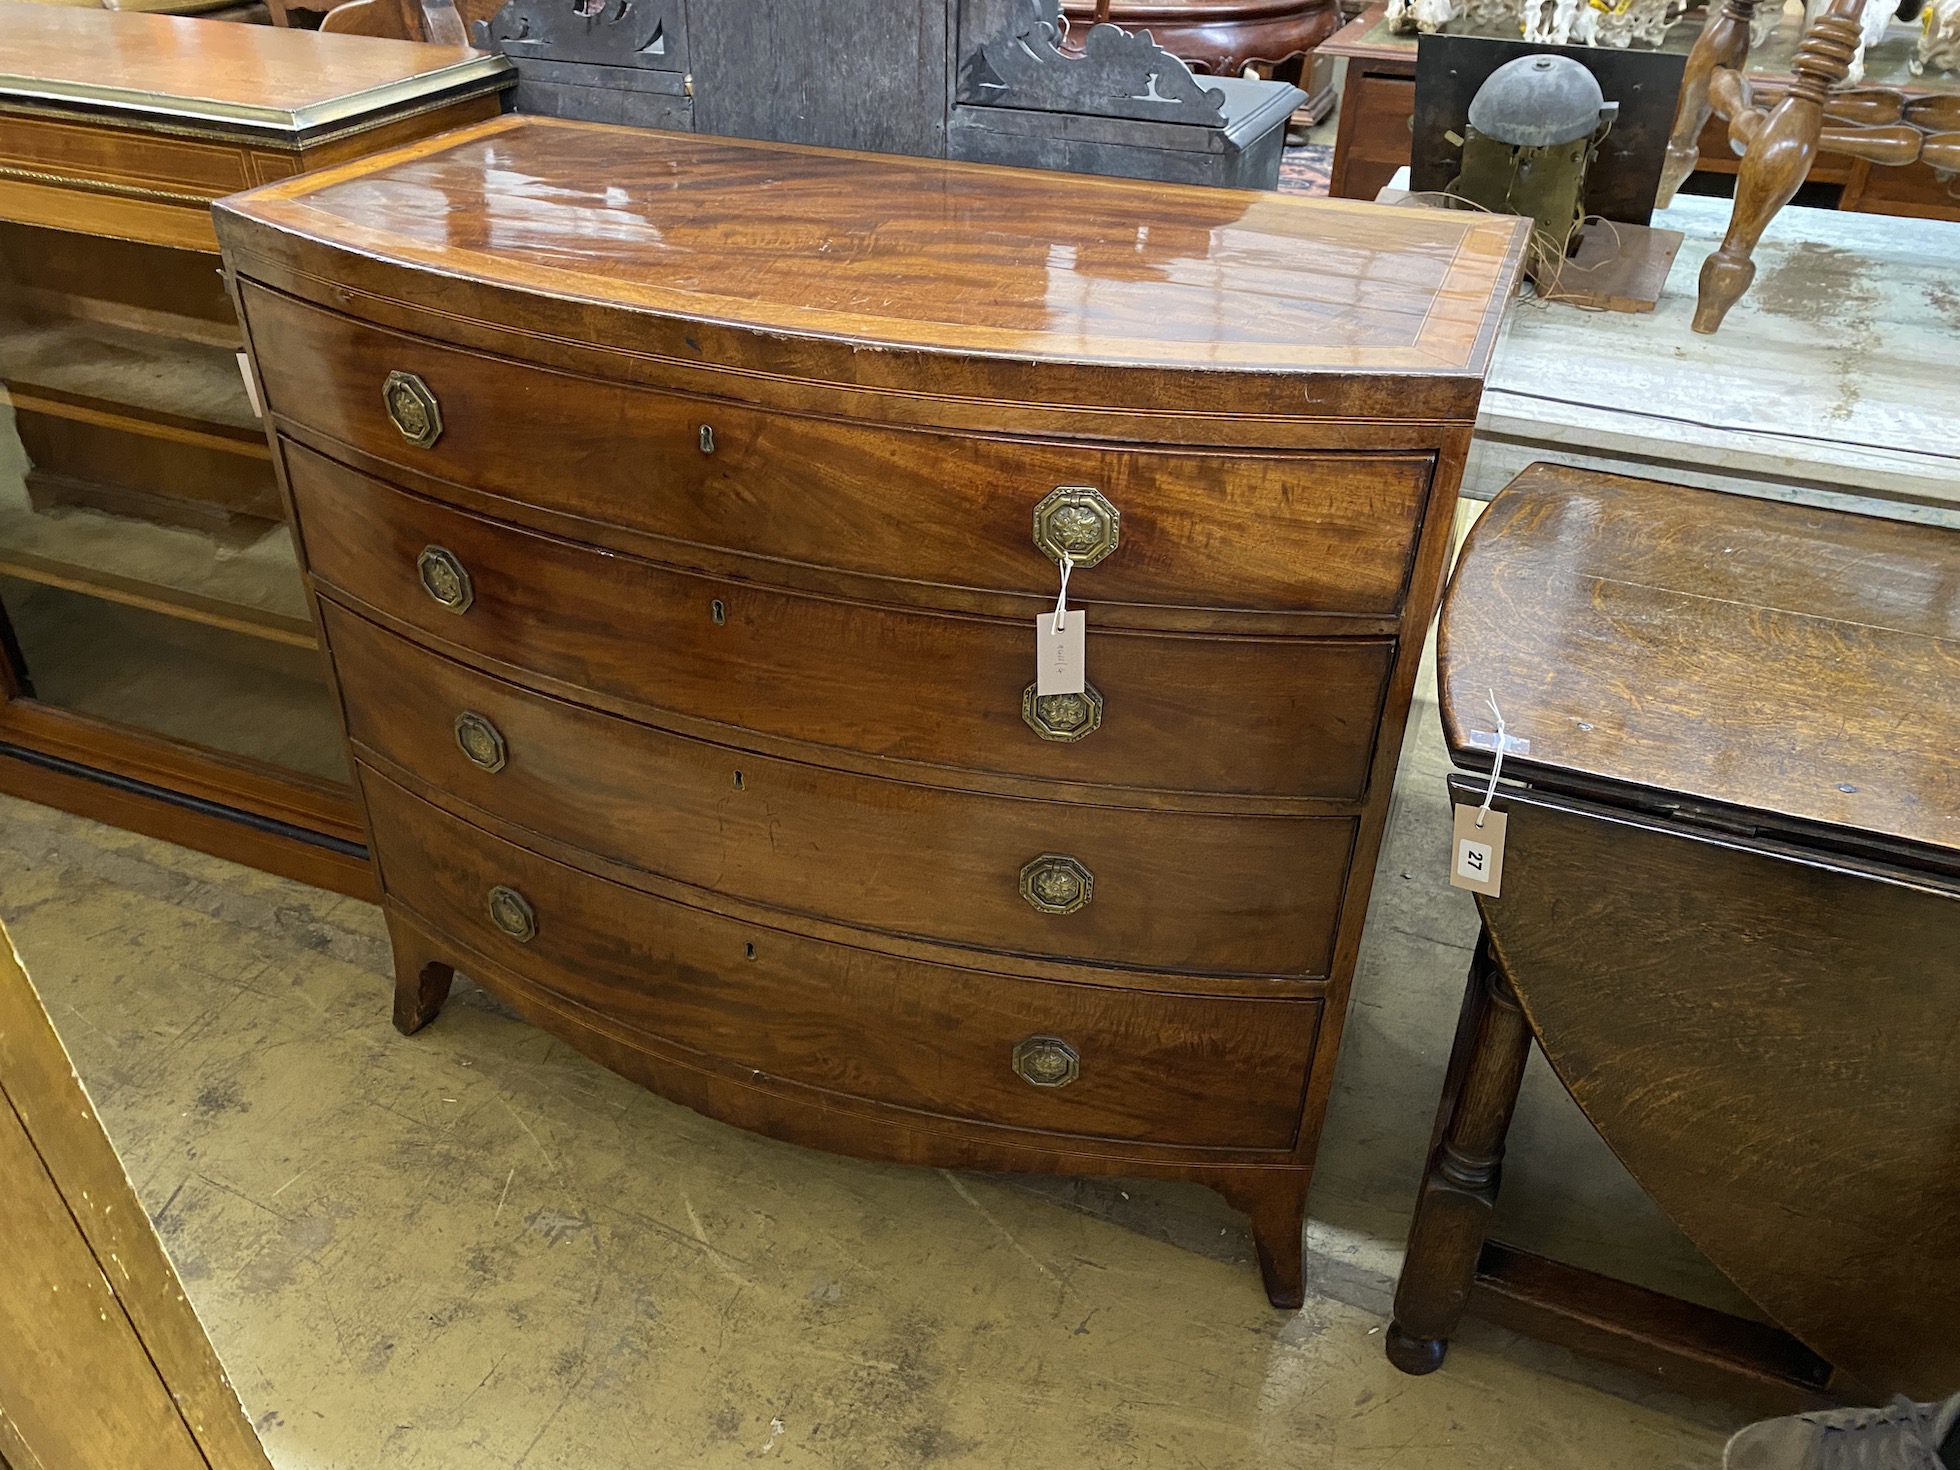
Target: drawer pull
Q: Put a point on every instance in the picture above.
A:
(1079, 521)
(1046, 1061)
(444, 579)
(480, 741)
(1056, 884)
(1062, 716)
(412, 408)
(511, 912)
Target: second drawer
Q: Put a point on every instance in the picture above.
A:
(1152, 889)
(1264, 717)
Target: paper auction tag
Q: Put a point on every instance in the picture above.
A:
(1477, 853)
(1060, 664)
(251, 385)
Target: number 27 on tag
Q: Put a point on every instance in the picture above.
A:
(1477, 853)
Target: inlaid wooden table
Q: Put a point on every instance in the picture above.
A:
(1729, 911)
(157, 665)
(678, 513)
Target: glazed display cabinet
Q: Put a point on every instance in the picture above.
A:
(157, 661)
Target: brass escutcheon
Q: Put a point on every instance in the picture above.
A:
(512, 913)
(1078, 520)
(1057, 884)
(480, 740)
(1046, 1061)
(444, 579)
(1062, 716)
(412, 408)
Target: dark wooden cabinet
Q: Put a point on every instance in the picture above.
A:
(158, 666)
(677, 512)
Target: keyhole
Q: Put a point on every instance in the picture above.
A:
(707, 439)
(718, 610)
(749, 951)
(738, 780)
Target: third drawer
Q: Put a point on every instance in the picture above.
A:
(1265, 717)
(1164, 890)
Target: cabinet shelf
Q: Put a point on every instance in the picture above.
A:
(150, 381)
(174, 602)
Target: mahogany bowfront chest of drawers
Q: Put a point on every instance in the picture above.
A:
(677, 511)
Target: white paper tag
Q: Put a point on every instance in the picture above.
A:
(251, 385)
(1060, 665)
(1477, 853)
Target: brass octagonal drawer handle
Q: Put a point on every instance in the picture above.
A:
(512, 913)
(412, 408)
(1057, 884)
(1047, 1061)
(1078, 520)
(444, 579)
(1062, 716)
(480, 741)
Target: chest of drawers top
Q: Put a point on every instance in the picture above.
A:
(901, 275)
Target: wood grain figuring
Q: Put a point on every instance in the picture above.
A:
(1614, 617)
(707, 503)
(1174, 1070)
(173, 59)
(1173, 891)
(87, 154)
(1298, 532)
(901, 684)
(912, 253)
(1766, 1041)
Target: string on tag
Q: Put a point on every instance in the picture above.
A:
(1497, 761)
(1061, 598)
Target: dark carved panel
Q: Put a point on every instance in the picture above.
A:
(984, 80)
(639, 33)
(1119, 74)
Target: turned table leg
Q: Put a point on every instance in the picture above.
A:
(421, 980)
(1778, 158)
(1493, 1041)
(1724, 41)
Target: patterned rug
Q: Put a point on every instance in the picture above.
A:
(1306, 169)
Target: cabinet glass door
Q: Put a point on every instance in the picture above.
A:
(147, 576)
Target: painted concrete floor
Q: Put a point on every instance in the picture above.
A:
(477, 1249)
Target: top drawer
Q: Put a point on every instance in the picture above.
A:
(1262, 532)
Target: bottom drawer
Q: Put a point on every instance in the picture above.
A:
(1090, 1060)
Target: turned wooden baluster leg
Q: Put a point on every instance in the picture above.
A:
(1724, 41)
(1276, 1199)
(1778, 158)
(1493, 1041)
(421, 980)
